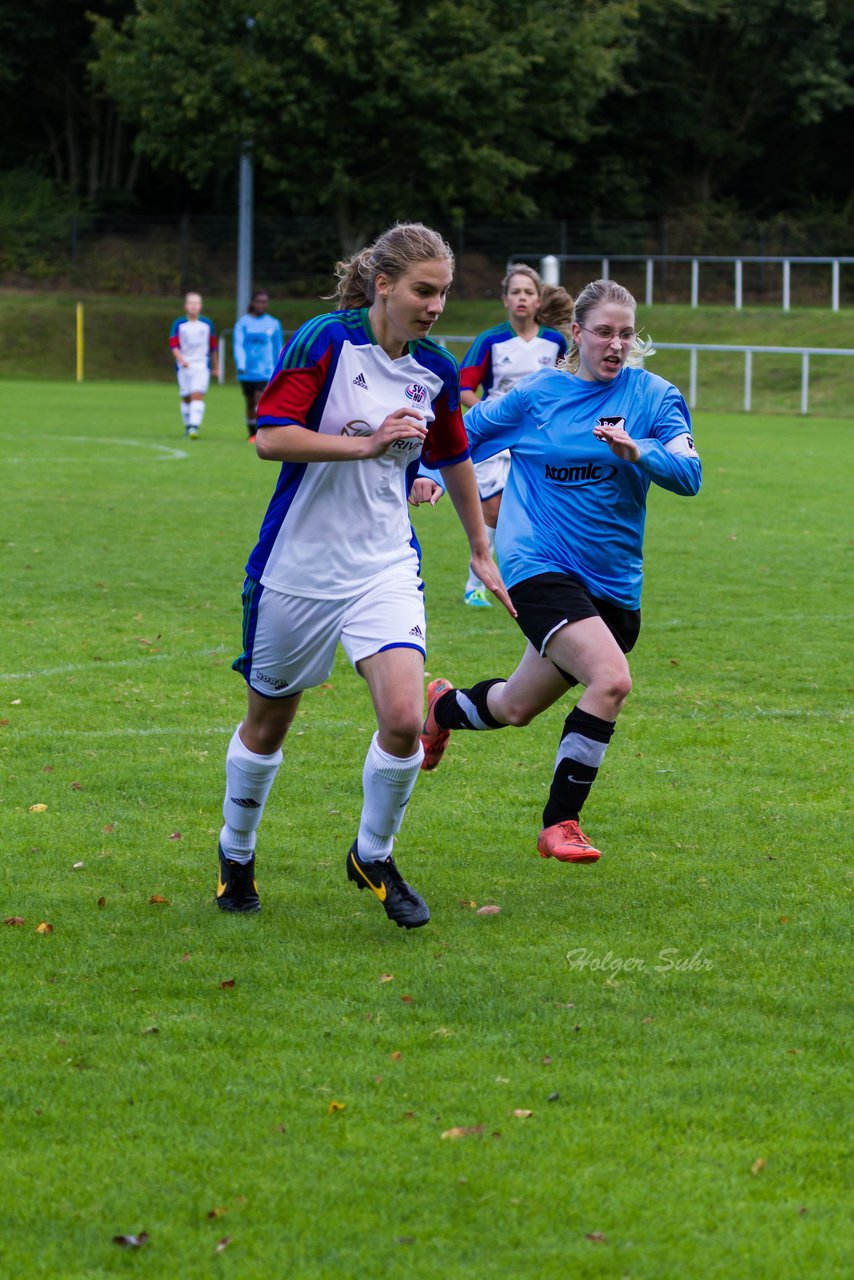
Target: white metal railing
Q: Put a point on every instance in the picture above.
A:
(694, 349)
(550, 265)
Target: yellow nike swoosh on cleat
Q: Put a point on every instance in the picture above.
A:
(220, 887)
(380, 892)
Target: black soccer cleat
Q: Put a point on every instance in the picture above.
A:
(402, 904)
(236, 889)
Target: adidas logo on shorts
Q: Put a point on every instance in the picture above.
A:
(359, 381)
(417, 632)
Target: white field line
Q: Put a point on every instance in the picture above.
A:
(174, 731)
(169, 454)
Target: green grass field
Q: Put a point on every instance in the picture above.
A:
(128, 338)
(676, 1019)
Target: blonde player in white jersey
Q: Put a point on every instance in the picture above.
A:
(193, 344)
(358, 396)
(496, 362)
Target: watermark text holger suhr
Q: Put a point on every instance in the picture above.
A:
(668, 960)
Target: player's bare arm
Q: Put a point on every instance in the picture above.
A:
(462, 487)
(293, 443)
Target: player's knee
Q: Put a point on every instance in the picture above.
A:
(516, 712)
(615, 686)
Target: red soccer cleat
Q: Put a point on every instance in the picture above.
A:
(566, 842)
(433, 738)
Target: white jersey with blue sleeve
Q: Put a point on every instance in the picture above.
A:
(333, 527)
(571, 505)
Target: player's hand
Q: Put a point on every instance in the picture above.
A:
(618, 441)
(487, 570)
(403, 424)
(424, 490)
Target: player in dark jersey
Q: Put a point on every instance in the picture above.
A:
(585, 447)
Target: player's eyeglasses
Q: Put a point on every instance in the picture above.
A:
(606, 335)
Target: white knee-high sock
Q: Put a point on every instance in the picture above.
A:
(387, 782)
(185, 413)
(197, 412)
(473, 581)
(248, 779)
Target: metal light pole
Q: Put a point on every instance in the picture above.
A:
(244, 230)
(245, 210)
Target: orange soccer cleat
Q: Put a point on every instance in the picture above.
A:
(433, 738)
(566, 842)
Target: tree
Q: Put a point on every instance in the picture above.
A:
(51, 110)
(721, 92)
(399, 108)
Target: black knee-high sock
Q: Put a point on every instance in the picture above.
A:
(581, 751)
(466, 708)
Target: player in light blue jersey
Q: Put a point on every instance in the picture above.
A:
(356, 397)
(258, 339)
(497, 360)
(586, 442)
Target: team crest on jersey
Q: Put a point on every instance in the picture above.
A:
(357, 428)
(415, 393)
(544, 360)
(611, 422)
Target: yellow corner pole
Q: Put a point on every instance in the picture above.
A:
(79, 341)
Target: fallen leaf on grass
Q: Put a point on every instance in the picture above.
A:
(176, 835)
(547, 1061)
(102, 902)
(15, 920)
(757, 1166)
(158, 899)
(131, 1242)
(109, 827)
(387, 977)
(223, 1244)
(336, 1106)
(218, 1212)
(465, 903)
(491, 910)
(185, 956)
(522, 1114)
(396, 1056)
(596, 1237)
(38, 808)
(44, 927)
(75, 866)
(77, 786)
(406, 999)
(229, 982)
(460, 1131)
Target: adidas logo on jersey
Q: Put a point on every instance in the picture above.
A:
(359, 381)
(417, 632)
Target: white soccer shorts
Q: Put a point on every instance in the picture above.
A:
(291, 640)
(491, 474)
(196, 377)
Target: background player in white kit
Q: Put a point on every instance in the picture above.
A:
(357, 397)
(497, 360)
(193, 344)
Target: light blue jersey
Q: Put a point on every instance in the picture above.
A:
(257, 343)
(571, 505)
